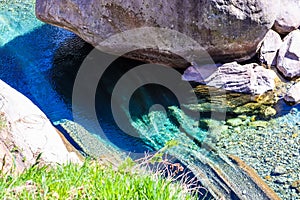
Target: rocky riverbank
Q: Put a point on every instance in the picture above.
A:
(270, 147)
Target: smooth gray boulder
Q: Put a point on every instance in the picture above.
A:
(269, 49)
(250, 78)
(288, 60)
(293, 95)
(227, 30)
(288, 18)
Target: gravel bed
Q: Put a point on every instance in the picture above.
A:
(271, 147)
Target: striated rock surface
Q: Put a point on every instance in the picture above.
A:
(288, 18)
(92, 145)
(27, 133)
(250, 78)
(293, 95)
(288, 61)
(269, 49)
(227, 30)
(225, 176)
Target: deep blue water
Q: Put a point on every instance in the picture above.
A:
(25, 64)
(34, 65)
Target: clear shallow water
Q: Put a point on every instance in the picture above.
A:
(16, 18)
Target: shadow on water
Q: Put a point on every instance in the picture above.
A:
(25, 63)
(67, 61)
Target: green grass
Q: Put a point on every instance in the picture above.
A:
(89, 181)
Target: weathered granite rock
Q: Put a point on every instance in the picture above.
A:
(227, 30)
(269, 49)
(288, 61)
(293, 95)
(288, 18)
(250, 78)
(28, 133)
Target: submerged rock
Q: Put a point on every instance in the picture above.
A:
(234, 122)
(256, 108)
(288, 18)
(258, 123)
(269, 48)
(288, 62)
(227, 30)
(278, 170)
(92, 145)
(293, 95)
(250, 78)
(225, 177)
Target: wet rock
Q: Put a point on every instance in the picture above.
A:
(250, 78)
(269, 111)
(258, 124)
(234, 122)
(278, 170)
(269, 48)
(255, 108)
(227, 30)
(293, 95)
(288, 61)
(90, 144)
(288, 18)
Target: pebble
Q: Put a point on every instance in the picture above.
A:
(278, 170)
(258, 124)
(269, 111)
(295, 184)
(234, 122)
(268, 178)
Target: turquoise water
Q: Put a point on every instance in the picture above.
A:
(16, 18)
(31, 62)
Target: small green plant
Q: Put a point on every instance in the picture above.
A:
(89, 181)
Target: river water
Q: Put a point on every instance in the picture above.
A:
(41, 62)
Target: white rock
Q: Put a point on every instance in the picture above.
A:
(293, 95)
(250, 78)
(32, 131)
(269, 48)
(288, 61)
(199, 74)
(288, 18)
